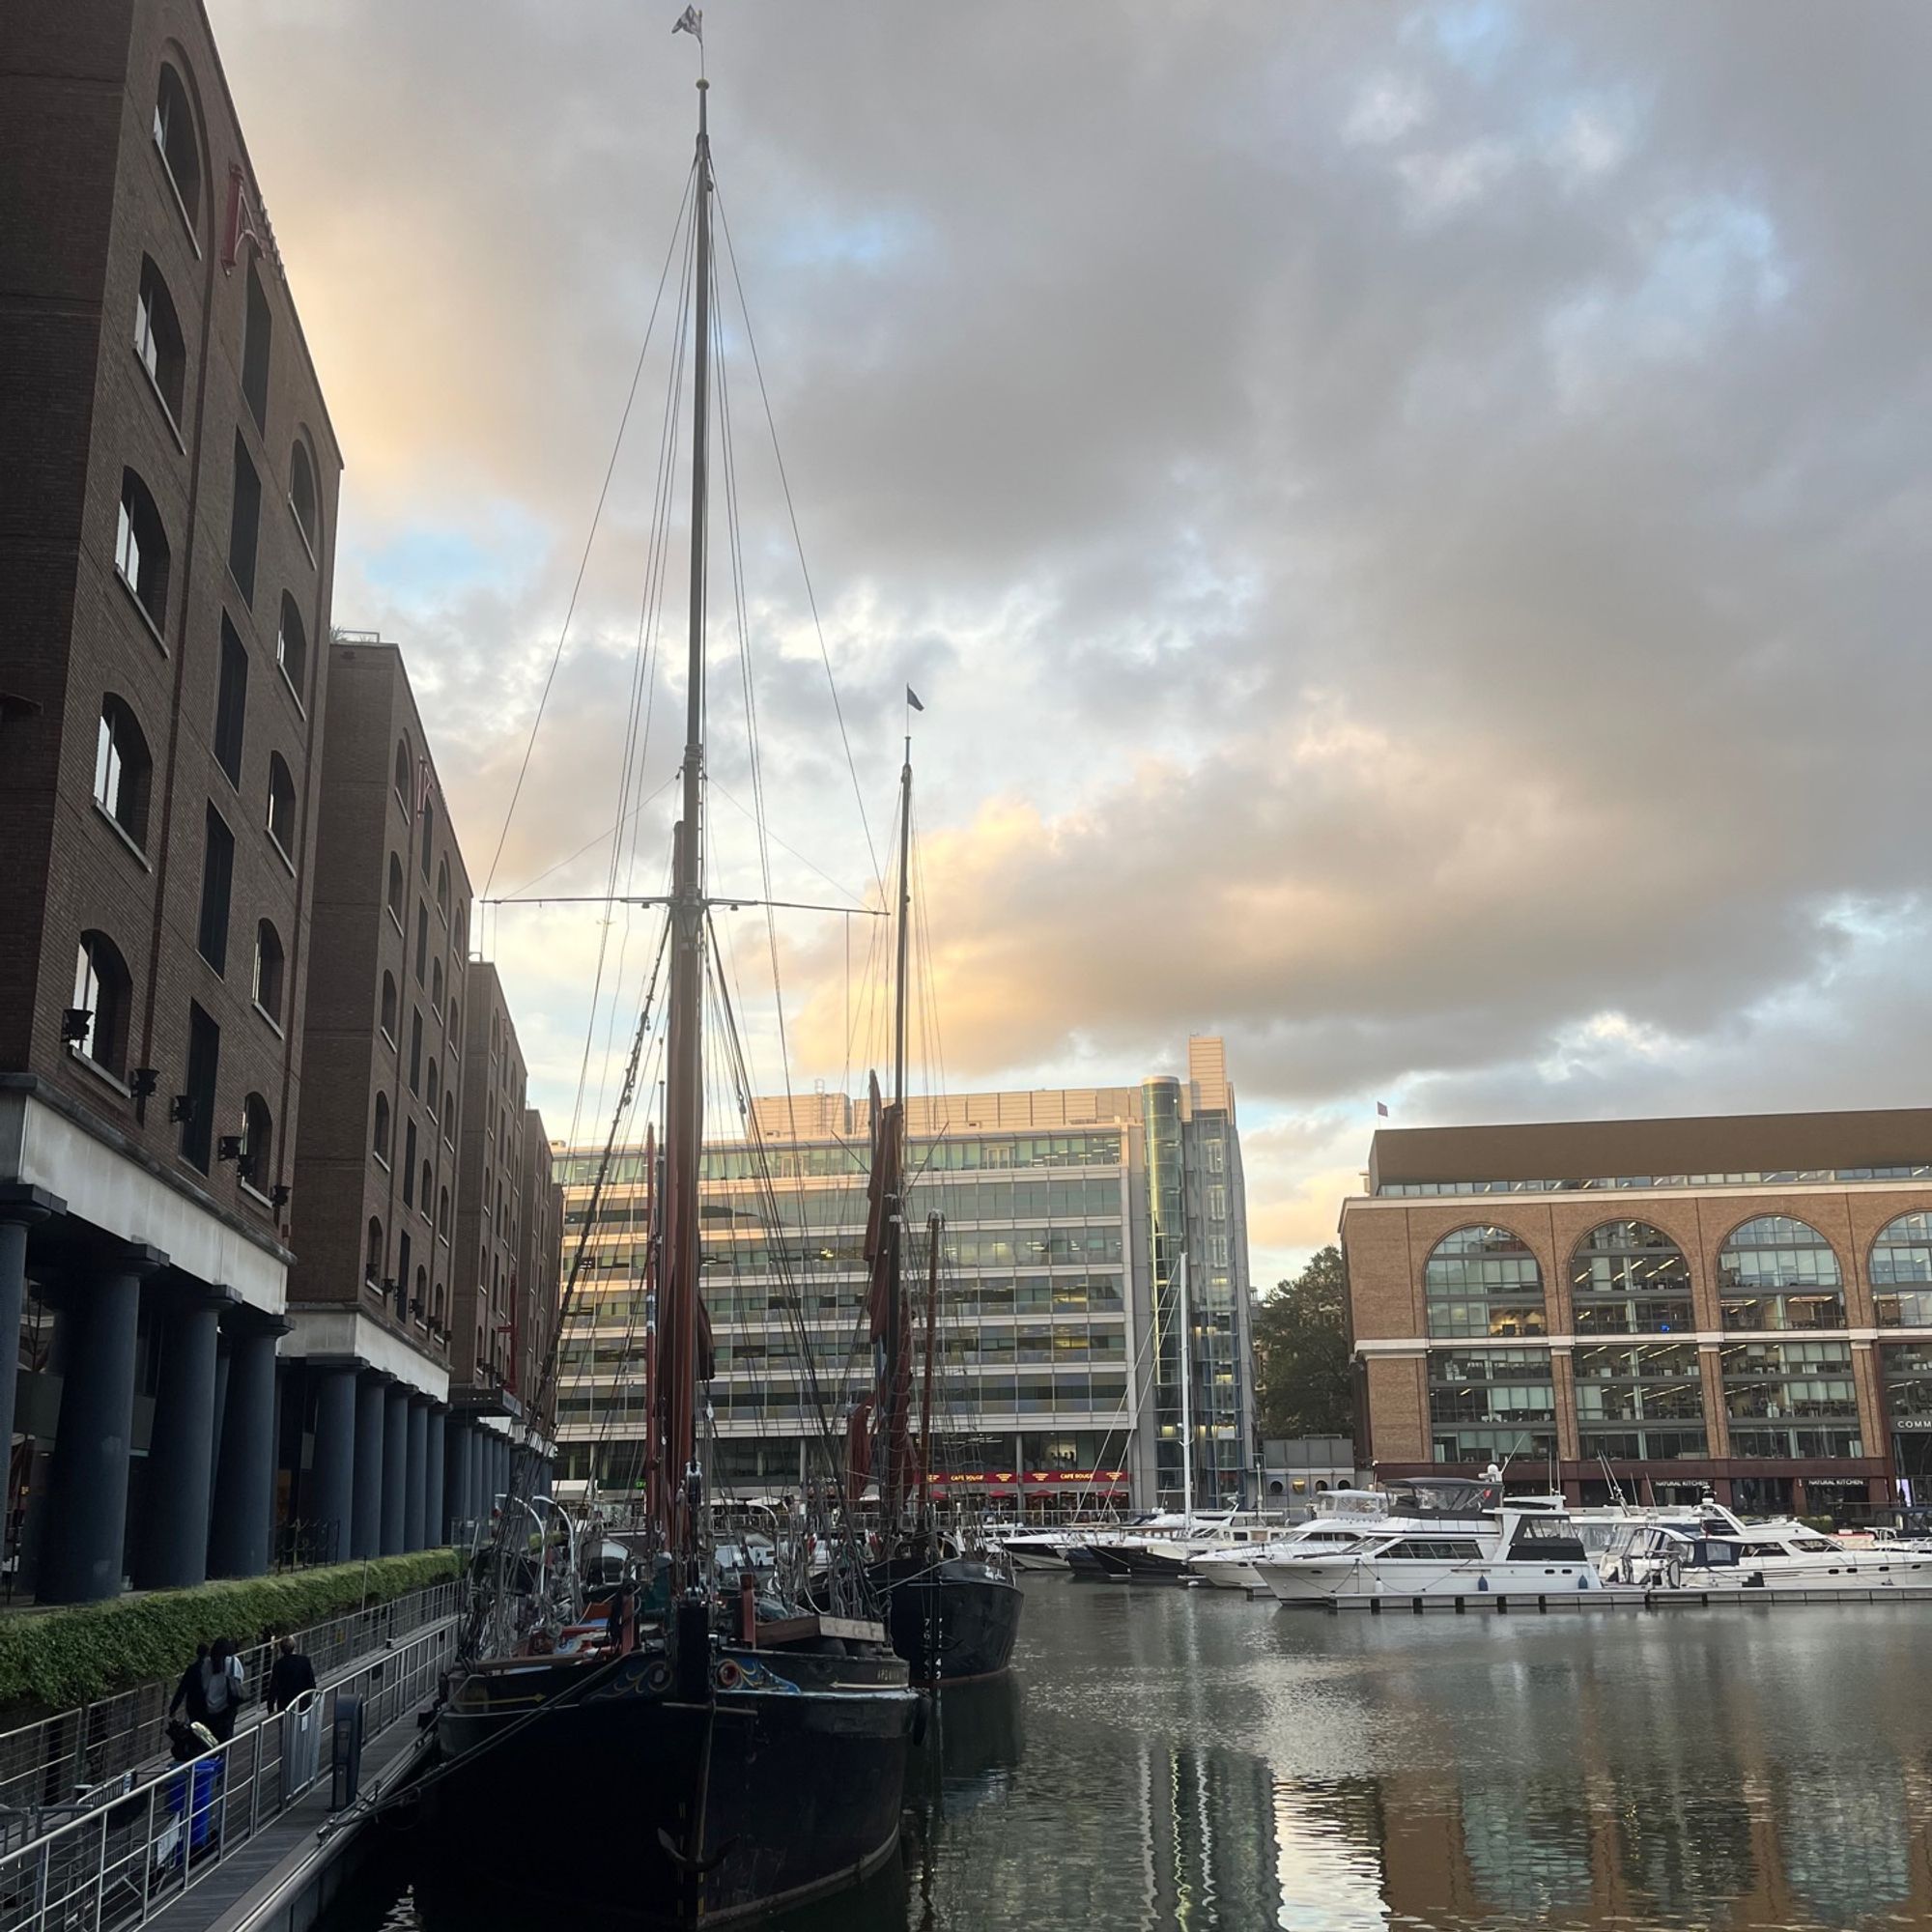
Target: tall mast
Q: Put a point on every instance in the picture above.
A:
(1187, 1397)
(684, 1107)
(897, 1377)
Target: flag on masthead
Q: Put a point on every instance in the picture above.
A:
(912, 699)
(690, 22)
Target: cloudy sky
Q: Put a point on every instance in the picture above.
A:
(1409, 522)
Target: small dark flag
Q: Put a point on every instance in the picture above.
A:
(690, 22)
(1381, 1109)
(912, 699)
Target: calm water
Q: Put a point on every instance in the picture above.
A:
(1185, 1757)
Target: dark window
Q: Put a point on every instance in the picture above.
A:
(302, 498)
(455, 1027)
(428, 832)
(435, 985)
(102, 990)
(258, 1143)
(428, 1181)
(157, 338)
(422, 937)
(395, 889)
(217, 876)
(141, 550)
(174, 137)
(380, 1141)
(390, 1006)
(292, 646)
(410, 1165)
(442, 887)
(435, 1093)
(372, 1254)
(230, 703)
(402, 1267)
(245, 522)
(268, 969)
(416, 1051)
(403, 771)
(443, 1222)
(258, 332)
(281, 818)
(204, 1063)
(122, 769)
(419, 1302)
(449, 1116)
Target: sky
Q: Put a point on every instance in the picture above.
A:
(1408, 524)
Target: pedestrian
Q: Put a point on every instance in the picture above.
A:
(221, 1689)
(292, 1674)
(187, 1696)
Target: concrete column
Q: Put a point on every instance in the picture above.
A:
(87, 1486)
(17, 1214)
(395, 1466)
(435, 1517)
(416, 1483)
(365, 1532)
(330, 1503)
(244, 1470)
(456, 1476)
(171, 1539)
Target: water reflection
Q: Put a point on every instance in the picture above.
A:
(1175, 1758)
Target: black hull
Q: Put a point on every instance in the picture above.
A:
(954, 1621)
(1151, 1566)
(801, 1796)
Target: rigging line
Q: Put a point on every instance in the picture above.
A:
(650, 799)
(596, 517)
(858, 898)
(798, 538)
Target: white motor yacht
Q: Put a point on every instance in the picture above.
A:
(1442, 1539)
(1339, 1519)
(1719, 1551)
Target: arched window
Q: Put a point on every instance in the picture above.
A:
(268, 965)
(281, 819)
(442, 1214)
(449, 1116)
(428, 1184)
(1775, 1272)
(419, 1304)
(1629, 1278)
(395, 889)
(258, 1143)
(428, 833)
(455, 1028)
(174, 138)
(1484, 1281)
(389, 1006)
(1901, 1273)
(403, 771)
(372, 1255)
(302, 498)
(102, 992)
(292, 646)
(435, 985)
(438, 1305)
(462, 933)
(157, 338)
(258, 328)
(141, 550)
(442, 888)
(382, 1140)
(122, 769)
(432, 1092)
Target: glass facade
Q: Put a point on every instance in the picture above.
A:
(1776, 1272)
(1484, 1281)
(1791, 1398)
(1629, 1278)
(1490, 1404)
(1639, 1402)
(1901, 1273)
(1785, 1176)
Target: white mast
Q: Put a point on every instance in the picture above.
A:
(1187, 1398)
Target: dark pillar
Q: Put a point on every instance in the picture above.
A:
(244, 1470)
(436, 1518)
(20, 1209)
(171, 1539)
(395, 1466)
(87, 1488)
(365, 1533)
(456, 1478)
(415, 1481)
(331, 1503)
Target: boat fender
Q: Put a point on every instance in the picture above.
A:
(1674, 1574)
(1482, 1582)
(726, 1675)
(920, 1717)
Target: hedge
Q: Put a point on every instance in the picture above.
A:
(60, 1657)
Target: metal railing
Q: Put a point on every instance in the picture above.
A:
(121, 1862)
(53, 1764)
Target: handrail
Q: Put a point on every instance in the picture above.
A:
(117, 1864)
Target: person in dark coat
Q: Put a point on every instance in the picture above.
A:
(291, 1675)
(188, 1696)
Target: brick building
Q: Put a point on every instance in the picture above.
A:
(376, 1166)
(1742, 1301)
(167, 522)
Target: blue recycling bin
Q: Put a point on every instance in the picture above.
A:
(194, 1793)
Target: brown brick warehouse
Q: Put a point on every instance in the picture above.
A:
(1741, 1302)
(218, 1367)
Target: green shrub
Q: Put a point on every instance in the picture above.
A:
(1824, 1526)
(59, 1658)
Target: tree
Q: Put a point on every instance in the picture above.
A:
(1302, 1353)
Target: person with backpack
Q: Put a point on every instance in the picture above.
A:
(187, 1696)
(221, 1689)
